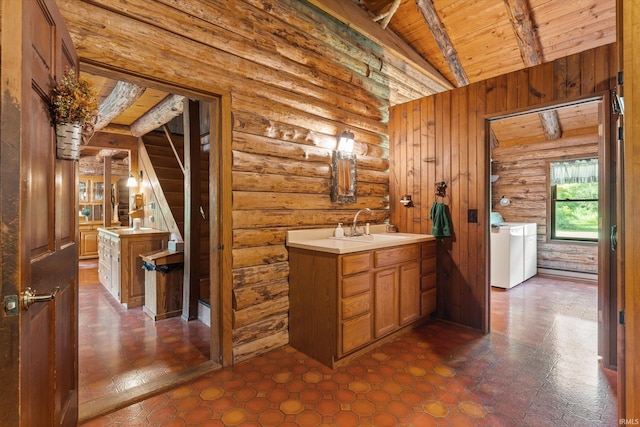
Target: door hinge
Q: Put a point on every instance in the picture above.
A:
(620, 134)
(621, 317)
(621, 78)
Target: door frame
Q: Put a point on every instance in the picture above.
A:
(220, 240)
(607, 290)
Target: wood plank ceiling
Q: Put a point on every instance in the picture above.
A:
(469, 41)
(465, 41)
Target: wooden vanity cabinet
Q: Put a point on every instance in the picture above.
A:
(340, 304)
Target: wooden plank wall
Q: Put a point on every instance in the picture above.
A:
(442, 138)
(523, 171)
(296, 79)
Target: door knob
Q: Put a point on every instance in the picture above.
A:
(28, 297)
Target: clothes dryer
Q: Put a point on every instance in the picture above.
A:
(530, 251)
(507, 255)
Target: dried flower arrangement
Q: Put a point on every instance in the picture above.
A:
(74, 101)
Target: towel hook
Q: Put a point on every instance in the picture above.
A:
(441, 189)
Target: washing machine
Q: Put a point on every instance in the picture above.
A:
(530, 248)
(507, 255)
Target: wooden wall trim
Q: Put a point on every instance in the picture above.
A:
(629, 404)
(450, 127)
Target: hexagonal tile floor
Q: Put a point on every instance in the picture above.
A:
(537, 368)
(120, 349)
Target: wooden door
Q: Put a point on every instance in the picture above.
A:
(39, 231)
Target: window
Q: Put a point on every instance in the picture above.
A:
(574, 199)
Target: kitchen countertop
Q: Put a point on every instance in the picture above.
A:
(322, 240)
(129, 231)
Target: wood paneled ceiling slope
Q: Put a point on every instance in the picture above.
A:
(463, 40)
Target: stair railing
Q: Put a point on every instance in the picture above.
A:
(173, 147)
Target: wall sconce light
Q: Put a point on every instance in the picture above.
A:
(406, 201)
(346, 141)
(131, 181)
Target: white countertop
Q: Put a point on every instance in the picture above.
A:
(322, 240)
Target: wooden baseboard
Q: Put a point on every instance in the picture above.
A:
(570, 274)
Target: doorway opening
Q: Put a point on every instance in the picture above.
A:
(161, 351)
(522, 190)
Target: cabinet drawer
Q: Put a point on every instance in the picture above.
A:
(356, 263)
(428, 282)
(397, 255)
(429, 249)
(356, 285)
(428, 265)
(356, 333)
(356, 305)
(427, 302)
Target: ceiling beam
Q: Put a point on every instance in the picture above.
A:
(385, 17)
(550, 122)
(531, 54)
(522, 24)
(432, 19)
(113, 141)
(353, 16)
(167, 109)
(121, 97)
(116, 129)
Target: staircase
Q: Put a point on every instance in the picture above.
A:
(160, 160)
(165, 173)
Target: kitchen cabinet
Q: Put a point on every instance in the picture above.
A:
(89, 239)
(89, 246)
(91, 197)
(120, 266)
(343, 304)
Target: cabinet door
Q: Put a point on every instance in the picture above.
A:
(386, 303)
(97, 191)
(114, 248)
(409, 292)
(88, 243)
(83, 191)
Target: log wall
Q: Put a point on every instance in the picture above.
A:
(296, 78)
(442, 138)
(523, 171)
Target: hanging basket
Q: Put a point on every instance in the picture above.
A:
(68, 140)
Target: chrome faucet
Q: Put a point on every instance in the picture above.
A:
(354, 230)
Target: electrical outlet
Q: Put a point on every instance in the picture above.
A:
(472, 216)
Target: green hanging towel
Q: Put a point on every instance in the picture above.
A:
(441, 226)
